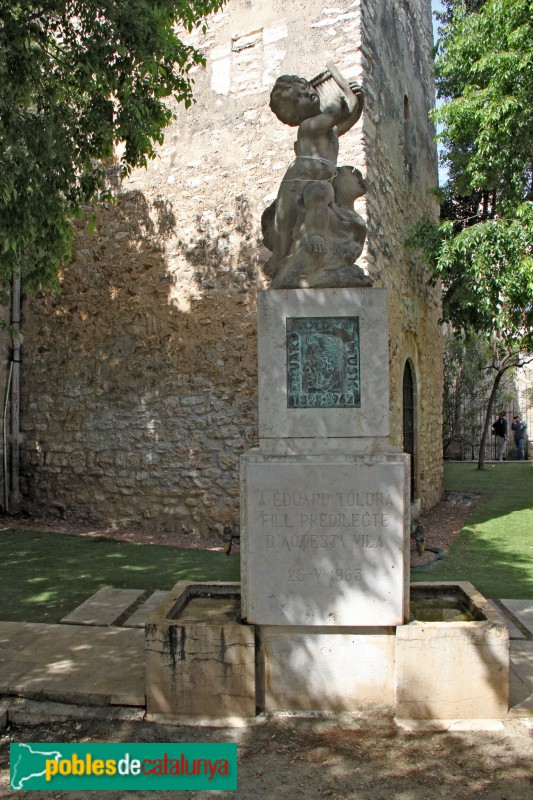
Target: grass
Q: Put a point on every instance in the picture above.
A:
(494, 551)
(44, 576)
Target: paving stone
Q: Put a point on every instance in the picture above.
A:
(523, 709)
(521, 679)
(22, 711)
(139, 617)
(135, 700)
(514, 632)
(521, 655)
(522, 610)
(103, 608)
(76, 664)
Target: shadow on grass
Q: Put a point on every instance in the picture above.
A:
(494, 551)
(504, 488)
(44, 576)
(497, 573)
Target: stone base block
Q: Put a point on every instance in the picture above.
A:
(454, 670)
(324, 540)
(200, 660)
(318, 670)
(323, 359)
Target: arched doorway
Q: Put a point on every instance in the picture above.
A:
(409, 422)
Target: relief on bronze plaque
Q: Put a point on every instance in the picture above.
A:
(323, 362)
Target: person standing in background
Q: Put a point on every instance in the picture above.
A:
(499, 429)
(519, 429)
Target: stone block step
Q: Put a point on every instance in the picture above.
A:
(521, 679)
(522, 610)
(139, 617)
(514, 632)
(73, 664)
(103, 608)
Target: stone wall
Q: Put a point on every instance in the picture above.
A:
(401, 169)
(139, 388)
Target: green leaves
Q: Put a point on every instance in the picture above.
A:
(486, 272)
(77, 78)
(483, 70)
(482, 250)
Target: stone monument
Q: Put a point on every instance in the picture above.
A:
(324, 503)
(324, 622)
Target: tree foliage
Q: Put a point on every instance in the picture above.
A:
(77, 78)
(467, 383)
(486, 270)
(445, 15)
(482, 249)
(483, 70)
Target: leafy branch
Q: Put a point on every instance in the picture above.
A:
(77, 78)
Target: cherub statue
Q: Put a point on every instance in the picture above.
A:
(299, 228)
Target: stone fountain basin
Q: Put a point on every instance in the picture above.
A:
(443, 602)
(452, 668)
(452, 663)
(200, 659)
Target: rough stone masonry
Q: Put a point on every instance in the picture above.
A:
(139, 384)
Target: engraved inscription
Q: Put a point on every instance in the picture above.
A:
(307, 527)
(334, 575)
(324, 540)
(314, 541)
(323, 362)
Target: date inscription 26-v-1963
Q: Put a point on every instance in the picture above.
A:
(323, 362)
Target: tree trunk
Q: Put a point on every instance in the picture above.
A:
(14, 495)
(506, 364)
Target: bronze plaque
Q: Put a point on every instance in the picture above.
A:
(323, 362)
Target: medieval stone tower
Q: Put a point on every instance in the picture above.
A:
(139, 385)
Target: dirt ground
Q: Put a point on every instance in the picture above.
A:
(366, 758)
(441, 524)
(299, 759)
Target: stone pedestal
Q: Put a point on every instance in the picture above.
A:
(323, 364)
(323, 539)
(324, 596)
(324, 515)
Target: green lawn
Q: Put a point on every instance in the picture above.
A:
(494, 551)
(43, 576)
